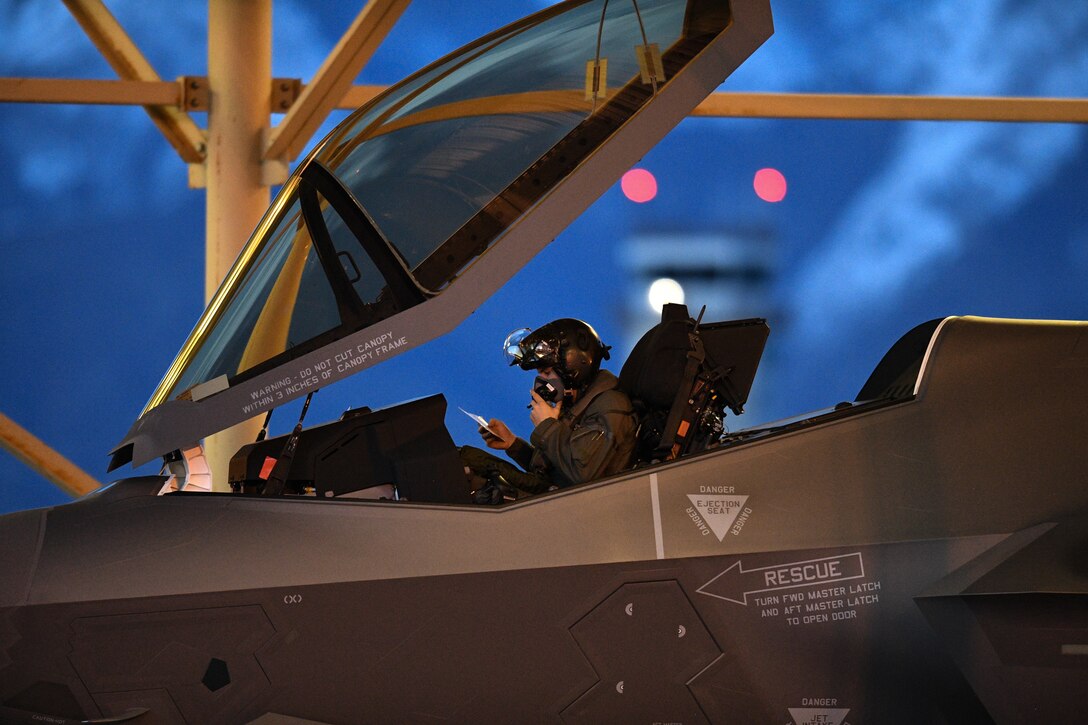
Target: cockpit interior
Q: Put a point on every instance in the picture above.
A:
(685, 376)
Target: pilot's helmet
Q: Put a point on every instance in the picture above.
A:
(571, 347)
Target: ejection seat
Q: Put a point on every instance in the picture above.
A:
(683, 374)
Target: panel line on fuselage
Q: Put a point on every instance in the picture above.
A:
(656, 501)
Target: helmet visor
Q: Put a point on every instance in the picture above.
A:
(511, 349)
(530, 351)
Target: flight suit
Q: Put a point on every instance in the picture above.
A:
(591, 439)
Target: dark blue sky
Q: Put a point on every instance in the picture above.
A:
(886, 224)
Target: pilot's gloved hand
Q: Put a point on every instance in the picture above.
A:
(501, 438)
(541, 409)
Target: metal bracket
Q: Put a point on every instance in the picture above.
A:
(285, 92)
(194, 93)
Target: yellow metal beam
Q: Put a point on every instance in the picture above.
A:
(845, 106)
(130, 64)
(893, 108)
(30, 449)
(107, 93)
(856, 107)
(333, 79)
(357, 96)
(720, 105)
(240, 84)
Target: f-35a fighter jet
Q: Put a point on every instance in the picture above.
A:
(914, 556)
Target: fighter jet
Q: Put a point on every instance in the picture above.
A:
(913, 555)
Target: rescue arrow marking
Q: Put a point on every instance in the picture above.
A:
(736, 583)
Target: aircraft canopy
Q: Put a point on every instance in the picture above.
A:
(426, 200)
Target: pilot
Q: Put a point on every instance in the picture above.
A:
(583, 425)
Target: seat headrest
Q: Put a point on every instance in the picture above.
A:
(655, 369)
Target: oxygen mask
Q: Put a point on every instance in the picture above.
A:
(549, 387)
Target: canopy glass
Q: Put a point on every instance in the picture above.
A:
(413, 187)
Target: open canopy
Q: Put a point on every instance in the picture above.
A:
(425, 201)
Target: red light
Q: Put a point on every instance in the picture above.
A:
(770, 185)
(639, 185)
